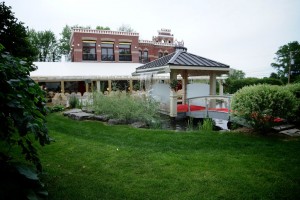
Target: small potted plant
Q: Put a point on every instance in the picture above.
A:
(174, 85)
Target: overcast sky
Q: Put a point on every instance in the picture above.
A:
(244, 34)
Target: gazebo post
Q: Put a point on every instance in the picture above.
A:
(184, 76)
(173, 96)
(212, 88)
(221, 89)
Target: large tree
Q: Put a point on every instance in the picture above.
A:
(288, 61)
(46, 45)
(13, 35)
(22, 111)
(64, 41)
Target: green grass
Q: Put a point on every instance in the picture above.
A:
(90, 160)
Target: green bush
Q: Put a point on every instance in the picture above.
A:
(295, 89)
(233, 85)
(126, 107)
(261, 105)
(56, 108)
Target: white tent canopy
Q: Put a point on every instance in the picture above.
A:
(51, 71)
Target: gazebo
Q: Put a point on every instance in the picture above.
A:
(187, 65)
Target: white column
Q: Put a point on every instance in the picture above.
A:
(173, 96)
(221, 89)
(184, 86)
(212, 88)
(98, 86)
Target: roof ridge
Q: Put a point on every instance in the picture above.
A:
(175, 57)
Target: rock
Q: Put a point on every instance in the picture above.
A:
(81, 116)
(291, 132)
(139, 125)
(87, 110)
(103, 118)
(116, 121)
(67, 113)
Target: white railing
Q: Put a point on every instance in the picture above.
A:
(156, 43)
(107, 32)
(225, 115)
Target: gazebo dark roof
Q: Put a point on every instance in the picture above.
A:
(182, 58)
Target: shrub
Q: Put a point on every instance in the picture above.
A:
(261, 105)
(233, 85)
(295, 89)
(126, 107)
(56, 108)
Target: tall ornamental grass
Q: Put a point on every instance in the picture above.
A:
(124, 106)
(262, 105)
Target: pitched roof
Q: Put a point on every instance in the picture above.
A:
(182, 58)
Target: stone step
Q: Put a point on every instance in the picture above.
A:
(283, 127)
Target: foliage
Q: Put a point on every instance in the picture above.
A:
(126, 28)
(64, 41)
(295, 89)
(56, 108)
(91, 160)
(73, 101)
(233, 85)
(284, 56)
(207, 125)
(102, 28)
(174, 84)
(236, 74)
(45, 44)
(126, 107)
(22, 108)
(261, 105)
(13, 35)
(20, 182)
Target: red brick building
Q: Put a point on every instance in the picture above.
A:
(89, 45)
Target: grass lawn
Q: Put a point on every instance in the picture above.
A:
(91, 160)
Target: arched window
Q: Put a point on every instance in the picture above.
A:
(145, 56)
(160, 54)
(140, 55)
